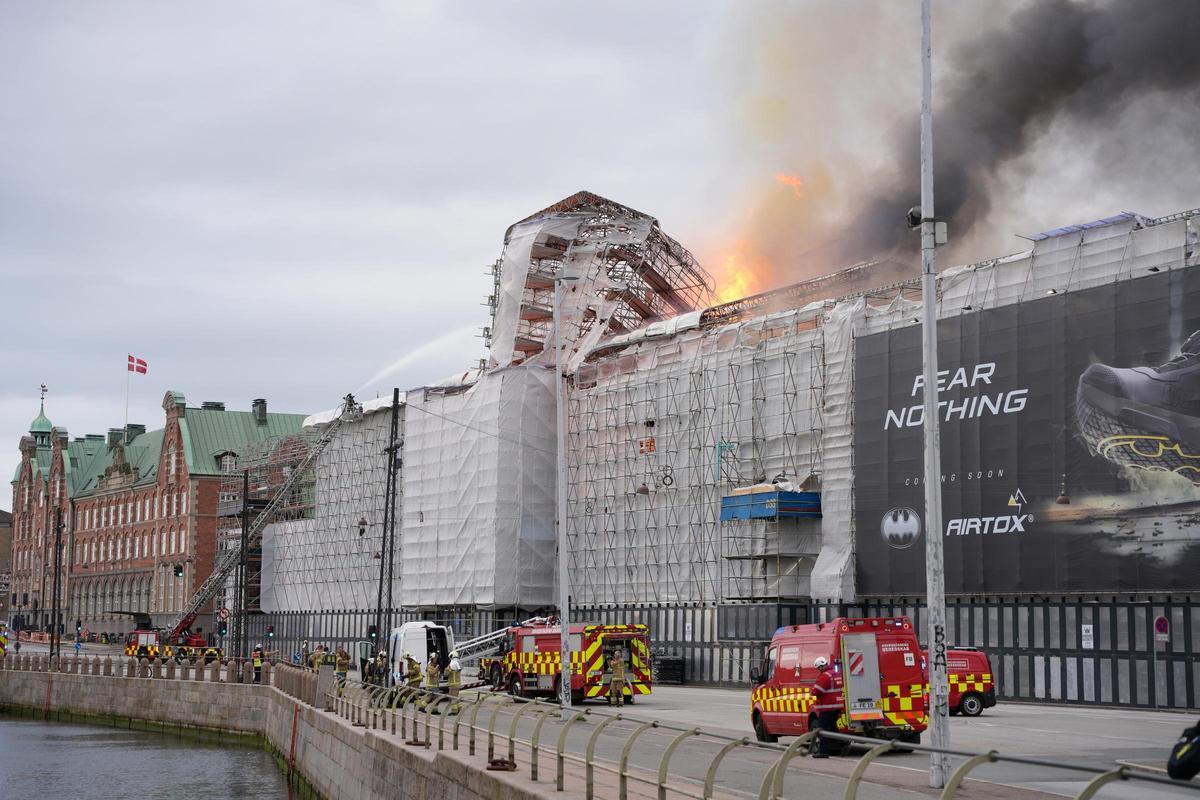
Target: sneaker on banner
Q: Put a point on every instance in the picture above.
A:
(1145, 417)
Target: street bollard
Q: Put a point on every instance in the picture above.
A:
(53, 664)
(170, 674)
(131, 667)
(214, 671)
(108, 666)
(247, 672)
(266, 673)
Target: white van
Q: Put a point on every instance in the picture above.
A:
(420, 639)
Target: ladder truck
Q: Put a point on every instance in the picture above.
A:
(228, 560)
(526, 658)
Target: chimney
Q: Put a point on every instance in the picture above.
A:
(260, 411)
(213, 405)
(114, 437)
(134, 430)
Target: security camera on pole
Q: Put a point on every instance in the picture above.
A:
(933, 233)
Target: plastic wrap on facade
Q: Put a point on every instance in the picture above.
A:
(477, 526)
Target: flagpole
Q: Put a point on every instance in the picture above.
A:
(125, 430)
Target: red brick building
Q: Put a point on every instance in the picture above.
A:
(139, 511)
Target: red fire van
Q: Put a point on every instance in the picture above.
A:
(879, 660)
(972, 688)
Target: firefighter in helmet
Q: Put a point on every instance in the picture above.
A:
(433, 678)
(616, 685)
(827, 691)
(454, 682)
(412, 673)
(381, 668)
(257, 658)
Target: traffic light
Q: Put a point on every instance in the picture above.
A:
(270, 631)
(373, 632)
(78, 625)
(179, 570)
(223, 630)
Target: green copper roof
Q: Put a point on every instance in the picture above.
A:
(211, 433)
(40, 424)
(207, 433)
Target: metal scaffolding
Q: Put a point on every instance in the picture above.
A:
(662, 430)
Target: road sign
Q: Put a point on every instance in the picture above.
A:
(1087, 639)
(223, 613)
(1162, 629)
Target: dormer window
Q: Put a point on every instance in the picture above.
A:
(229, 463)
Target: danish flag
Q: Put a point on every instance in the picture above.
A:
(137, 365)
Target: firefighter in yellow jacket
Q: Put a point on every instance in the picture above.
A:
(433, 678)
(412, 673)
(341, 668)
(454, 682)
(616, 686)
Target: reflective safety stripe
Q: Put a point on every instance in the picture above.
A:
(971, 681)
(794, 699)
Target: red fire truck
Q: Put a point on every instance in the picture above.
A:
(529, 659)
(882, 670)
(149, 642)
(971, 686)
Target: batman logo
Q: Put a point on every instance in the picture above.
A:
(901, 527)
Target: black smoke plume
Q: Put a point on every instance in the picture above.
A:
(1055, 61)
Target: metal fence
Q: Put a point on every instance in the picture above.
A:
(514, 730)
(1098, 650)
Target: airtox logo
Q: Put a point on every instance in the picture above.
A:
(900, 528)
(1001, 523)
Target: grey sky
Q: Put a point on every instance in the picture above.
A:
(279, 199)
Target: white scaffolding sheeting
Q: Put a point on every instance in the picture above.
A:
(478, 520)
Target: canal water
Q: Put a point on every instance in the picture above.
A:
(79, 762)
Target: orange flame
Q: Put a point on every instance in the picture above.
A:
(740, 273)
(791, 180)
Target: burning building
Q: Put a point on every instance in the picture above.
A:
(1056, 483)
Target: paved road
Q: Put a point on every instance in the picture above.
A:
(1097, 737)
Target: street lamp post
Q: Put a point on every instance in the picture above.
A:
(935, 579)
(560, 494)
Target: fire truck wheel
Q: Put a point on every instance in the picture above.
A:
(497, 676)
(971, 705)
(911, 737)
(514, 686)
(760, 730)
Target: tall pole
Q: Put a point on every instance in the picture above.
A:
(54, 618)
(386, 544)
(560, 493)
(241, 633)
(935, 583)
(390, 512)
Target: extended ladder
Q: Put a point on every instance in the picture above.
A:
(227, 560)
(491, 643)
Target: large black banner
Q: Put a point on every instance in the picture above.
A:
(1070, 445)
